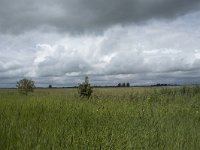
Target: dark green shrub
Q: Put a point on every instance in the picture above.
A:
(24, 86)
(84, 89)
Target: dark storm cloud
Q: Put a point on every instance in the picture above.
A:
(85, 15)
(143, 41)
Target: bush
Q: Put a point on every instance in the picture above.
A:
(24, 86)
(84, 89)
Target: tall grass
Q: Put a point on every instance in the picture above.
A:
(114, 118)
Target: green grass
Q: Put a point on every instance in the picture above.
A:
(114, 118)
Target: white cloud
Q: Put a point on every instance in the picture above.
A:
(158, 51)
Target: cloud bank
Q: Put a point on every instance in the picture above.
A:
(136, 41)
(77, 16)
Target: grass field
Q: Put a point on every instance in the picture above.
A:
(113, 118)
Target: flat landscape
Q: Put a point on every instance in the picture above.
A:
(113, 118)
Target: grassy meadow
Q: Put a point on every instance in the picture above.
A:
(113, 118)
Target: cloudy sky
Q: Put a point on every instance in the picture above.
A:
(59, 42)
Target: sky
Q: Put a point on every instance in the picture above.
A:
(59, 42)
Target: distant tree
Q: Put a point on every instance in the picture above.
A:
(119, 85)
(24, 86)
(84, 89)
(128, 84)
(123, 84)
(158, 84)
(50, 86)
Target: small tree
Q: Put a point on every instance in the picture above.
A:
(84, 89)
(24, 86)
(123, 84)
(50, 86)
(128, 84)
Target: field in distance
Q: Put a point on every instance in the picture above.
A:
(113, 118)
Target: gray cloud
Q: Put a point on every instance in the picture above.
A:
(141, 54)
(131, 49)
(77, 16)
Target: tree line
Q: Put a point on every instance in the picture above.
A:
(25, 86)
(123, 84)
(84, 89)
